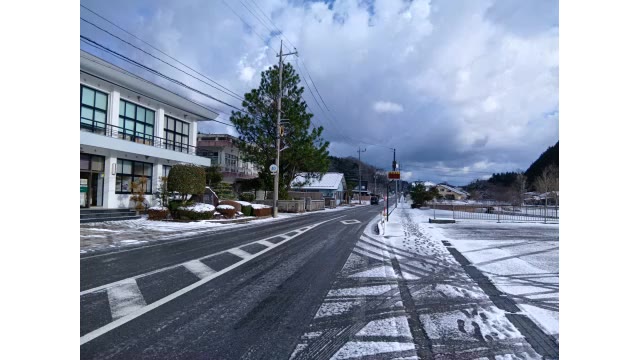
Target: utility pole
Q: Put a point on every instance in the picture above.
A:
(395, 168)
(360, 176)
(277, 176)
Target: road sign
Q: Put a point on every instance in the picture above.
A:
(394, 175)
(273, 168)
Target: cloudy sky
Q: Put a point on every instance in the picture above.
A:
(460, 88)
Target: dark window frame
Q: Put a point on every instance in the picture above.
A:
(133, 176)
(170, 134)
(93, 126)
(135, 134)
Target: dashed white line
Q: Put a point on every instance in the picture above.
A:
(198, 268)
(265, 243)
(125, 298)
(239, 252)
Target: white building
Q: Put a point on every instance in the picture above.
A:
(131, 128)
(331, 185)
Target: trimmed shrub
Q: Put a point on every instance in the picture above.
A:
(236, 205)
(228, 211)
(197, 211)
(158, 213)
(247, 197)
(186, 179)
(246, 210)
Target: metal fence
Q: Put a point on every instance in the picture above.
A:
(496, 212)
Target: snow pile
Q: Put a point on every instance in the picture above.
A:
(159, 208)
(199, 207)
(243, 203)
(260, 206)
(224, 207)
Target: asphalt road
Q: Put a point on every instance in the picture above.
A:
(266, 294)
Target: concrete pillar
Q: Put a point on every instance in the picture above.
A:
(157, 175)
(113, 118)
(158, 128)
(110, 198)
(193, 134)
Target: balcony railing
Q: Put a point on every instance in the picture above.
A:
(140, 138)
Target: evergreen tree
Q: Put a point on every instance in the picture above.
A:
(304, 148)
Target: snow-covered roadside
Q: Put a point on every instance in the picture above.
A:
(116, 234)
(521, 259)
(456, 314)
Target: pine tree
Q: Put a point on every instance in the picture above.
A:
(304, 148)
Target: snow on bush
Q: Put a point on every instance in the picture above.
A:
(225, 207)
(260, 206)
(243, 203)
(158, 208)
(198, 207)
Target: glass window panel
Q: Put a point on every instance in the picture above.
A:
(126, 183)
(101, 101)
(122, 108)
(140, 114)
(185, 128)
(121, 122)
(97, 163)
(100, 116)
(119, 166)
(129, 124)
(148, 168)
(130, 110)
(148, 130)
(86, 113)
(149, 186)
(126, 167)
(138, 168)
(151, 116)
(118, 183)
(165, 122)
(86, 121)
(185, 140)
(178, 126)
(87, 96)
(84, 162)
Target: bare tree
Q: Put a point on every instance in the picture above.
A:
(548, 182)
(519, 188)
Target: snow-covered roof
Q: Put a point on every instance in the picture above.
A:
(455, 190)
(329, 181)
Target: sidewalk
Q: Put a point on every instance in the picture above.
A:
(117, 234)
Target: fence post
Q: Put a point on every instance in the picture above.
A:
(434, 210)
(453, 211)
(498, 216)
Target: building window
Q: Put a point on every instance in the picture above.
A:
(230, 160)
(93, 109)
(130, 171)
(176, 133)
(165, 170)
(136, 122)
(215, 160)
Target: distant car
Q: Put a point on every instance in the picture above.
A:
(374, 200)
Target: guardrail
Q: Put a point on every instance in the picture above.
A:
(498, 212)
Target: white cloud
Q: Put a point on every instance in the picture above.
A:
(387, 106)
(475, 80)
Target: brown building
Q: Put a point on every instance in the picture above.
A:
(223, 150)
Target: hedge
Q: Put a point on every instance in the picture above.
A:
(186, 179)
(157, 213)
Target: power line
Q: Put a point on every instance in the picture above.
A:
(153, 47)
(250, 27)
(131, 61)
(236, 96)
(274, 25)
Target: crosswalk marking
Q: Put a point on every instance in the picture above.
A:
(243, 254)
(198, 268)
(125, 298)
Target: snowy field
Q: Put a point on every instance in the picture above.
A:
(116, 234)
(521, 259)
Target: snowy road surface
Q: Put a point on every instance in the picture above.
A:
(323, 286)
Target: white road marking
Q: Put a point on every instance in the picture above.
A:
(349, 222)
(198, 268)
(125, 299)
(239, 252)
(265, 243)
(145, 309)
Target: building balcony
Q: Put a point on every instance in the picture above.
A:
(117, 138)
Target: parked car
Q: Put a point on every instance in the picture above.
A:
(374, 200)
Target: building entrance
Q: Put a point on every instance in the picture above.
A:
(91, 180)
